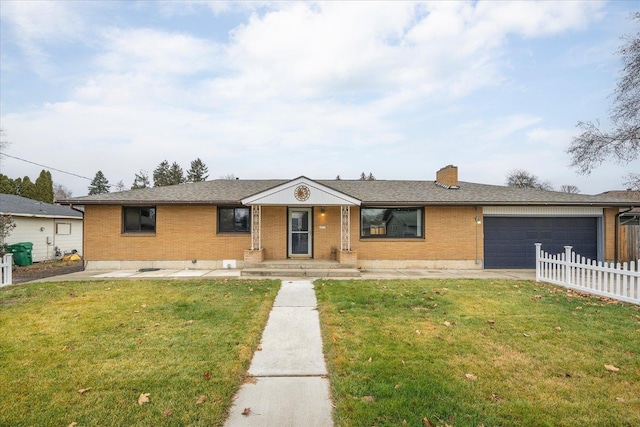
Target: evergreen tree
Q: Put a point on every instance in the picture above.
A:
(197, 171)
(161, 174)
(99, 184)
(371, 177)
(176, 175)
(141, 180)
(7, 185)
(363, 176)
(28, 189)
(44, 187)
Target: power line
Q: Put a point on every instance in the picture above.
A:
(45, 166)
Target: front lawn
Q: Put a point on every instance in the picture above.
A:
(478, 353)
(91, 353)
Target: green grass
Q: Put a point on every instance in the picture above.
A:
(536, 353)
(176, 340)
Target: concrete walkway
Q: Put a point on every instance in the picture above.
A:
(229, 273)
(288, 384)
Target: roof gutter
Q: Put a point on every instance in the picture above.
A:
(147, 202)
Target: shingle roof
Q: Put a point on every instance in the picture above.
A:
(223, 191)
(21, 206)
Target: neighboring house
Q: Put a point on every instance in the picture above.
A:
(628, 237)
(372, 224)
(45, 225)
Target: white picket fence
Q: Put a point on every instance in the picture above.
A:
(619, 281)
(6, 268)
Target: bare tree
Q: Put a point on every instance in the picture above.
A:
(622, 142)
(571, 189)
(4, 144)
(632, 181)
(60, 192)
(120, 186)
(229, 177)
(520, 178)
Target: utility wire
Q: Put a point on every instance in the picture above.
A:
(44, 166)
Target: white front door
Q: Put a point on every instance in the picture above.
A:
(300, 235)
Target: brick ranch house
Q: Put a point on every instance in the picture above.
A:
(444, 223)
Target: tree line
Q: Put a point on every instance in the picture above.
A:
(163, 175)
(41, 190)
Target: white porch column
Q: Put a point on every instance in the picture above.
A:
(345, 228)
(256, 223)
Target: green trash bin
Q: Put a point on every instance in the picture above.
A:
(22, 253)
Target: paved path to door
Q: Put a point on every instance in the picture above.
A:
(288, 384)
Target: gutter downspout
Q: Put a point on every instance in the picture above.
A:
(476, 219)
(617, 234)
(84, 246)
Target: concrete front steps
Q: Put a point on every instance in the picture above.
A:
(300, 268)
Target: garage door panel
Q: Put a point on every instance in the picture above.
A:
(509, 242)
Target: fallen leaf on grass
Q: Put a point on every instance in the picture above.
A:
(201, 399)
(189, 322)
(369, 361)
(447, 323)
(526, 335)
(397, 385)
(496, 397)
(144, 306)
(427, 423)
(471, 377)
(207, 376)
(619, 399)
(368, 399)
(167, 412)
(83, 390)
(491, 322)
(73, 424)
(611, 368)
(144, 398)
(558, 328)
(246, 411)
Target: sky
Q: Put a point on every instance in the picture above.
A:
(275, 90)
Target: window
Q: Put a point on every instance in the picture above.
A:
(139, 219)
(63, 228)
(234, 220)
(391, 222)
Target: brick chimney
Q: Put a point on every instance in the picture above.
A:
(447, 177)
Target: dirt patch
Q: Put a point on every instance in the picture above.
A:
(42, 270)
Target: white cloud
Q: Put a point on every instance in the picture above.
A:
(338, 87)
(154, 52)
(37, 24)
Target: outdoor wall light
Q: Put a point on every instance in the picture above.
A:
(322, 211)
(478, 220)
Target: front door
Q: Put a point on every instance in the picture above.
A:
(300, 236)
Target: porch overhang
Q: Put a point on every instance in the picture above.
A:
(301, 191)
